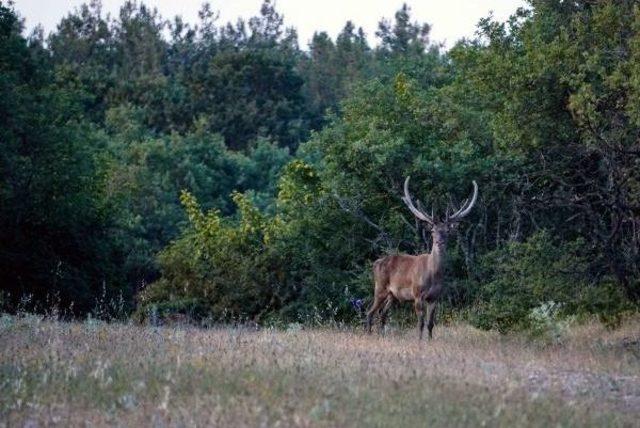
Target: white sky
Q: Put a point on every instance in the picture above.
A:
(450, 20)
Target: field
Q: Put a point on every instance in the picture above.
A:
(96, 374)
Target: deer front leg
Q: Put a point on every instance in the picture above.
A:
(419, 306)
(431, 317)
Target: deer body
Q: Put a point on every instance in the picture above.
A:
(408, 277)
(403, 277)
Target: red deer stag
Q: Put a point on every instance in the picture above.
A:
(403, 277)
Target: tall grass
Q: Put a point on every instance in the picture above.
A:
(69, 374)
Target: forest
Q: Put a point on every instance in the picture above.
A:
(151, 167)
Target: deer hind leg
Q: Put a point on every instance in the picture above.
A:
(378, 300)
(431, 308)
(419, 306)
(383, 312)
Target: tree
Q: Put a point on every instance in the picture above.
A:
(403, 38)
(83, 49)
(54, 219)
(555, 80)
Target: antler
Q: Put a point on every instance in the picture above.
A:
(409, 203)
(466, 206)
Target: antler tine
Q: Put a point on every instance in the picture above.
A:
(451, 213)
(408, 202)
(421, 207)
(467, 205)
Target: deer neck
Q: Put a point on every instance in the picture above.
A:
(437, 256)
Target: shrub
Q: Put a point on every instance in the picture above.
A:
(532, 284)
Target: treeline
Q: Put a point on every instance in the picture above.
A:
(222, 172)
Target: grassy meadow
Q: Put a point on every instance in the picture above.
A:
(97, 374)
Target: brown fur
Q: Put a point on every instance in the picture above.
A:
(418, 278)
(402, 277)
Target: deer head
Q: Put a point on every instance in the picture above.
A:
(440, 227)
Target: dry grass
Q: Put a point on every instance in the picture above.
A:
(71, 374)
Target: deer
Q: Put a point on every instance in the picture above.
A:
(404, 277)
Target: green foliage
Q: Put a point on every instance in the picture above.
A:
(298, 186)
(559, 100)
(243, 85)
(147, 174)
(226, 174)
(55, 221)
(257, 266)
(219, 264)
(531, 285)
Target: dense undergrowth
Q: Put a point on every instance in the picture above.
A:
(220, 173)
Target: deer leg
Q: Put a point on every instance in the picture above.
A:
(419, 306)
(377, 303)
(383, 312)
(431, 308)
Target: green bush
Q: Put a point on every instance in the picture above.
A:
(533, 284)
(219, 265)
